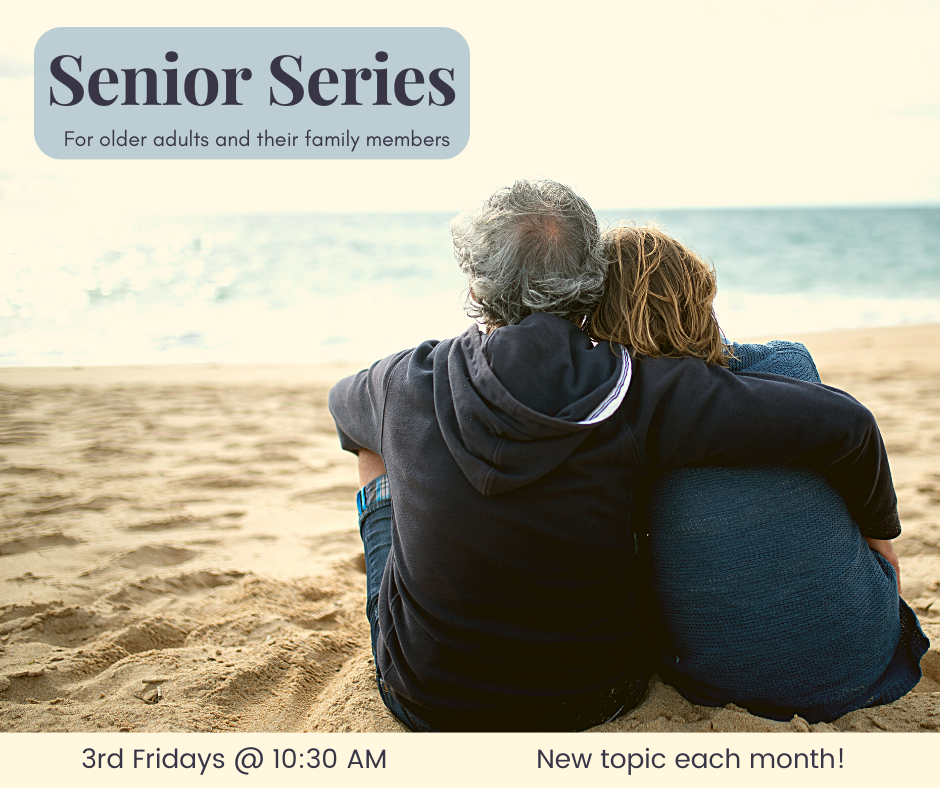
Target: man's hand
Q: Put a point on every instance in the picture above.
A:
(884, 548)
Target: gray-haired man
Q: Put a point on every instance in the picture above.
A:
(499, 545)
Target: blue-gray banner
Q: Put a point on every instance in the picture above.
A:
(252, 93)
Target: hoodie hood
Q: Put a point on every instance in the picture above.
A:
(513, 405)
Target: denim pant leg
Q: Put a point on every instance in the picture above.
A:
(375, 527)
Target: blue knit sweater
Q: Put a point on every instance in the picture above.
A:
(764, 593)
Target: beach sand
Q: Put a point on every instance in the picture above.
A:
(179, 550)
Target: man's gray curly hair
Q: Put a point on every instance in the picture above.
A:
(531, 247)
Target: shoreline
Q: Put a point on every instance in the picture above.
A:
(906, 339)
(380, 339)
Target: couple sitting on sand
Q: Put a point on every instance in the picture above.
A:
(599, 487)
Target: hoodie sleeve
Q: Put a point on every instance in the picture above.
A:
(704, 415)
(357, 404)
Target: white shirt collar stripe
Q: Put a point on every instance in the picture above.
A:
(613, 400)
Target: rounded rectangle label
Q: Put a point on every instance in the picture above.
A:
(252, 93)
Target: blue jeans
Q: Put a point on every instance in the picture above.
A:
(375, 528)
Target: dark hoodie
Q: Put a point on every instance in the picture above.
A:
(514, 461)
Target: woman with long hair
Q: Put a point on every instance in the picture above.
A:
(761, 590)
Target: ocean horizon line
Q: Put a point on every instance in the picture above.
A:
(452, 211)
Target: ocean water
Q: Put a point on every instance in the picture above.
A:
(314, 288)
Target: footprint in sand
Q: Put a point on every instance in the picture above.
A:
(147, 555)
(28, 577)
(221, 482)
(140, 592)
(101, 452)
(334, 544)
(169, 523)
(23, 470)
(55, 623)
(100, 503)
(340, 494)
(47, 500)
(28, 544)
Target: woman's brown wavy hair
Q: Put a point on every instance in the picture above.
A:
(658, 297)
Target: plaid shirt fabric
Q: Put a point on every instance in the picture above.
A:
(373, 495)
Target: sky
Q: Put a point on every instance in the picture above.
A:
(666, 104)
